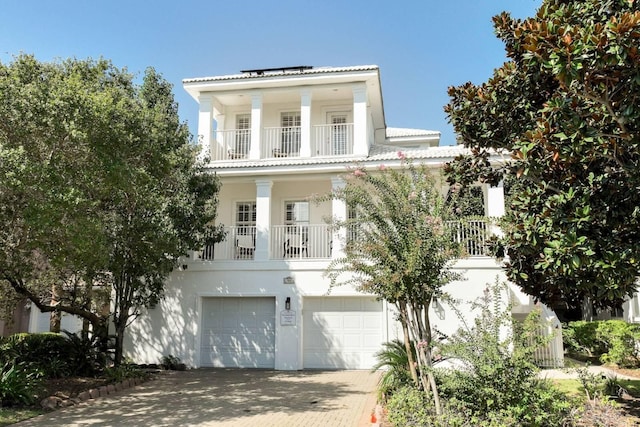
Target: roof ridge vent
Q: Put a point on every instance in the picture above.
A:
(277, 70)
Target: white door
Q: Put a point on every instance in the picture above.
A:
(238, 332)
(341, 332)
(339, 134)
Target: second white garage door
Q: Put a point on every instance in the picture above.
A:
(238, 332)
(341, 332)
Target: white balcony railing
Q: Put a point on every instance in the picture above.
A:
(300, 241)
(473, 235)
(332, 140)
(239, 243)
(281, 142)
(231, 144)
(314, 241)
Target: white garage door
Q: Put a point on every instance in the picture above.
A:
(341, 332)
(238, 332)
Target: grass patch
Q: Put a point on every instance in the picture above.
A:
(13, 415)
(573, 388)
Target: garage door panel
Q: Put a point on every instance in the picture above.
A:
(238, 332)
(341, 332)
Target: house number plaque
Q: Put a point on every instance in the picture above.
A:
(288, 318)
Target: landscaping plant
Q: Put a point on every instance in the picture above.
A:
(18, 384)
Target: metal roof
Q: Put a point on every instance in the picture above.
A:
(403, 132)
(295, 71)
(377, 153)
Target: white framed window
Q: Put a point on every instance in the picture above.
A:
(246, 217)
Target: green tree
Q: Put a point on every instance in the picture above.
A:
(565, 112)
(400, 249)
(100, 193)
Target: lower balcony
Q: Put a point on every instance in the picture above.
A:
(315, 241)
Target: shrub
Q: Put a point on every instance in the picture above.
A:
(18, 385)
(43, 352)
(393, 357)
(83, 353)
(409, 406)
(497, 383)
(172, 363)
(611, 341)
(124, 371)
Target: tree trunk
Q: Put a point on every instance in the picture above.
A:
(404, 318)
(429, 362)
(56, 316)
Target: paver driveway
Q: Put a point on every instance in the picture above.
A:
(230, 397)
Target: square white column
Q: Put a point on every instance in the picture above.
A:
(339, 212)
(494, 200)
(256, 125)
(305, 123)
(263, 219)
(205, 127)
(360, 143)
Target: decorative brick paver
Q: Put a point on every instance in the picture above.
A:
(231, 398)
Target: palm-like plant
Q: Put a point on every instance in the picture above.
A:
(394, 360)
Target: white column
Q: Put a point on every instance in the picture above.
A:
(494, 205)
(263, 219)
(339, 212)
(256, 125)
(494, 200)
(305, 123)
(360, 143)
(205, 126)
(219, 149)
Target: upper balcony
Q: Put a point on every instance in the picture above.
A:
(281, 142)
(289, 113)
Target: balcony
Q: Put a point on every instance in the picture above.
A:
(315, 242)
(284, 142)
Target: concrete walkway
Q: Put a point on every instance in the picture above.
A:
(570, 373)
(230, 397)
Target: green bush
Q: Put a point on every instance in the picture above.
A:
(409, 406)
(18, 385)
(611, 341)
(497, 382)
(393, 358)
(44, 352)
(84, 355)
(172, 363)
(123, 372)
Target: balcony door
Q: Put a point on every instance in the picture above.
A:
(290, 134)
(242, 137)
(338, 133)
(245, 235)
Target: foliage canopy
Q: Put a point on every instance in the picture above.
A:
(100, 192)
(565, 112)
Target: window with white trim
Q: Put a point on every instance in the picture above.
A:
(246, 217)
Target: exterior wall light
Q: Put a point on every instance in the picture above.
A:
(287, 304)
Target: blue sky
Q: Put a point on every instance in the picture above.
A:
(421, 46)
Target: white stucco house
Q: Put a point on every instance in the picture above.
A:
(275, 137)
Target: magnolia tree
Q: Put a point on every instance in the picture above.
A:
(565, 113)
(100, 193)
(399, 249)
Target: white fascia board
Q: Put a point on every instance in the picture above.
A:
(194, 88)
(272, 171)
